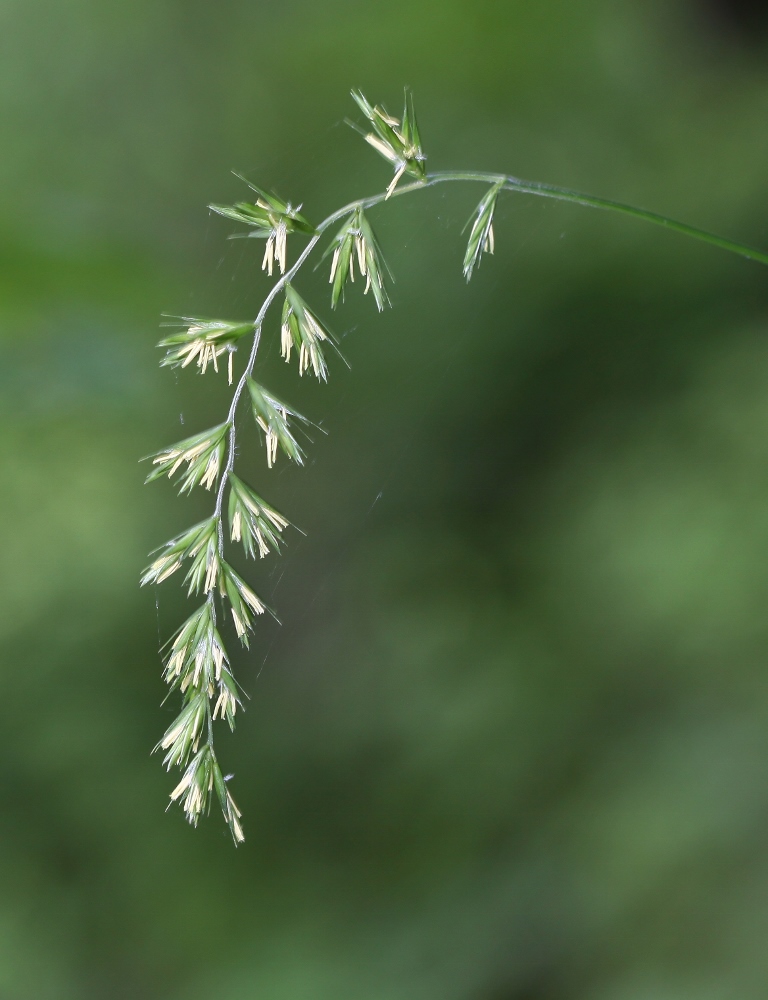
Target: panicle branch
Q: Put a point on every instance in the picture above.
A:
(355, 242)
(203, 341)
(252, 521)
(201, 777)
(396, 140)
(274, 417)
(270, 219)
(301, 329)
(481, 239)
(203, 455)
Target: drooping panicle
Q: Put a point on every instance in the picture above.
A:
(355, 244)
(270, 219)
(481, 239)
(397, 141)
(203, 454)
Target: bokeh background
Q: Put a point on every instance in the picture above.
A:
(511, 739)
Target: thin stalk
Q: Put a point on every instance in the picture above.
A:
(510, 184)
(563, 194)
(590, 201)
(210, 728)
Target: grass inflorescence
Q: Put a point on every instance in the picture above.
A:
(196, 663)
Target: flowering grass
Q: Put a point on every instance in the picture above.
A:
(196, 663)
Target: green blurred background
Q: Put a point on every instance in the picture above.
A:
(511, 740)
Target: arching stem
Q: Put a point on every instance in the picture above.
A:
(514, 184)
